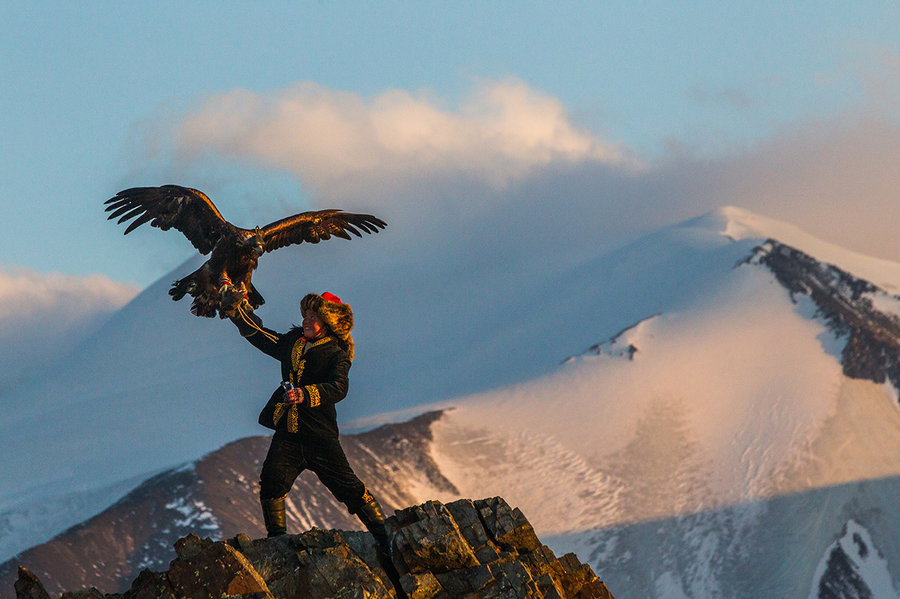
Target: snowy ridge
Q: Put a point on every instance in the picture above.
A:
(704, 365)
(739, 224)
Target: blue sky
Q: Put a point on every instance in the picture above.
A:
(90, 94)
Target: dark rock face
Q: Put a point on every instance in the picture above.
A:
(841, 579)
(872, 349)
(466, 548)
(29, 587)
(612, 346)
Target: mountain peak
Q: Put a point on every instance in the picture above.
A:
(739, 224)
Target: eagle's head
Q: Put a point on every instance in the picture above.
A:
(253, 241)
(250, 245)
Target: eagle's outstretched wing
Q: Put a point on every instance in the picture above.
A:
(317, 225)
(188, 210)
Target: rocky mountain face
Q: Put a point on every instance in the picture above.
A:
(846, 303)
(466, 548)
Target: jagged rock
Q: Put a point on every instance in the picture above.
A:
(467, 548)
(28, 586)
(151, 585)
(843, 579)
(428, 538)
(206, 569)
(508, 527)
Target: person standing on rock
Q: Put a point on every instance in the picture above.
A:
(315, 360)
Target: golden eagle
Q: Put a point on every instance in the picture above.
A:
(235, 251)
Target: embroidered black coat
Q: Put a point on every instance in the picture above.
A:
(318, 367)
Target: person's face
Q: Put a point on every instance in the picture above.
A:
(313, 326)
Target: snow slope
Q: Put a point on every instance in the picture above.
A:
(714, 423)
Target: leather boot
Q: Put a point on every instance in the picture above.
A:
(372, 517)
(273, 516)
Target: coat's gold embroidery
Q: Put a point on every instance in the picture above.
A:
(298, 363)
(293, 416)
(315, 399)
(278, 413)
(293, 424)
(321, 341)
(297, 372)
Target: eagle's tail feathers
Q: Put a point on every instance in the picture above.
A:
(203, 307)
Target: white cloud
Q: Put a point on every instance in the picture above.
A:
(43, 316)
(339, 143)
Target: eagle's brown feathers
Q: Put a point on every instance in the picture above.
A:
(188, 210)
(235, 251)
(317, 225)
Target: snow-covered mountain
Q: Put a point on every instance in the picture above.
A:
(724, 421)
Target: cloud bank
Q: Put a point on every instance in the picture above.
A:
(340, 143)
(44, 316)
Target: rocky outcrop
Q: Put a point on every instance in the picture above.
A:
(465, 548)
(845, 302)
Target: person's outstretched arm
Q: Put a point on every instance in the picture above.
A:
(251, 328)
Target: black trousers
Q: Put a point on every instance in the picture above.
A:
(287, 458)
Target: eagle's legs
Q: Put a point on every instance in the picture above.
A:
(243, 281)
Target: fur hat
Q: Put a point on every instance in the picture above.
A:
(336, 315)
